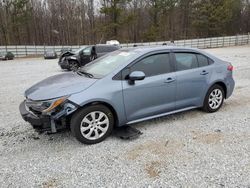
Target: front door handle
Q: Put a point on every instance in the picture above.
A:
(204, 72)
(169, 80)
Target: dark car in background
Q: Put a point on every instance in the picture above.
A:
(84, 55)
(6, 56)
(50, 54)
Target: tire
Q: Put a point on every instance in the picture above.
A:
(73, 65)
(87, 132)
(214, 99)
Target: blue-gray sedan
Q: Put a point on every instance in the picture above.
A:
(125, 87)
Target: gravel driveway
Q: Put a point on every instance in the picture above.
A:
(190, 149)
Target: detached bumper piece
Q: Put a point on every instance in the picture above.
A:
(41, 123)
(127, 132)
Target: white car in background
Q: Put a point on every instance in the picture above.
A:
(113, 42)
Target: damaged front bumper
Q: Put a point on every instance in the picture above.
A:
(63, 63)
(51, 122)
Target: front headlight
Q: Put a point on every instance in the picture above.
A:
(55, 104)
(45, 106)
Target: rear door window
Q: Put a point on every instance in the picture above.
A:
(102, 49)
(109, 49)
(99, 49)
(185, 61)
(113, 48)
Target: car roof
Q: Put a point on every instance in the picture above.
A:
(145, 49)
(106, 45)
(148, 49)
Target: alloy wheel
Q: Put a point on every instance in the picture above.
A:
(73, 66)
(94, 125)
(215, 99)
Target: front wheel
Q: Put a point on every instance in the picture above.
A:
(214, 99)
(92, 124)
(73, 65)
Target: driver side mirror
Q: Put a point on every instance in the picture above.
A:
(136, 75)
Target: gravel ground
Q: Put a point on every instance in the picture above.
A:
(190, 149)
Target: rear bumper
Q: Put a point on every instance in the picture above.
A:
(230, 87)
(41, 123)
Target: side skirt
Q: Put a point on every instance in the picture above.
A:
(161, 115)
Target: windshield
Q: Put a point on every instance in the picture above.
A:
(80, 49)
(106, 64)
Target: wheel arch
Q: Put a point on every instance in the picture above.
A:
(222, 84)
(69, 59)
(108, 105)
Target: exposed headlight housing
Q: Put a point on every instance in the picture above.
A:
(45, 106)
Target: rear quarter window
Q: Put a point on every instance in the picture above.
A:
(210, 61)
(204, 60)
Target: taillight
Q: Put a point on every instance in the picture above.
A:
(230, 67)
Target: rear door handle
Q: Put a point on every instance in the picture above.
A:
(169, 80)
(204, 72)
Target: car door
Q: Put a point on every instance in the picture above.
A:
(85, 55)
(101, 50)
(191, 78)
(153, 95)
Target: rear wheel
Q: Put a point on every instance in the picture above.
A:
(214, 99)
(92, 124)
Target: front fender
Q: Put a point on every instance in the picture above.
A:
(110, 94)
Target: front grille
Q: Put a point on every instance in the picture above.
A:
(35, 111)
(33, 106)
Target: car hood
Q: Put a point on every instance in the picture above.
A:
(65, 54)
(58, 86)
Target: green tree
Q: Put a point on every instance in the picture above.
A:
(211, 17)
(113, 10)
(20, 17)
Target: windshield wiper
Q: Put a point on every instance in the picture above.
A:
(81, 73)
